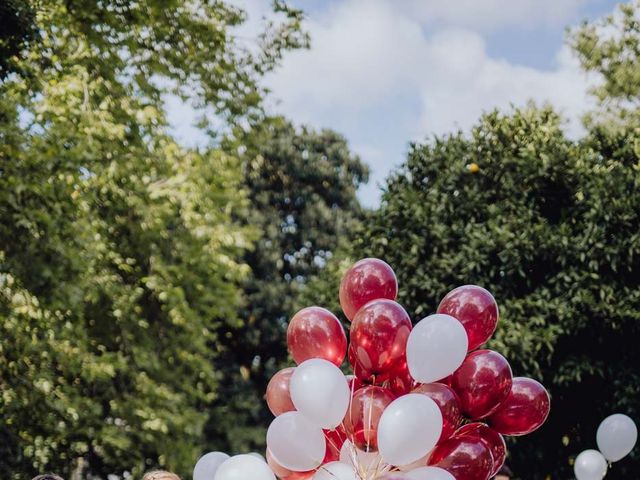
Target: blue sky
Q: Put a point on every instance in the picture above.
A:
(387, 72)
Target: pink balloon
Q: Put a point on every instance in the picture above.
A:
(278, 396)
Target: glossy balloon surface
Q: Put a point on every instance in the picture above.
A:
(616, 436)
(319, 390)
(278, 395)
(315, 332)
(379, 334)
(491, 439)
(476, 309)
(525, 409)
(482, 382)
(363, 416)
(449, 405)
(436, 347)
(369, 279)
(409, 428)
(463, 457)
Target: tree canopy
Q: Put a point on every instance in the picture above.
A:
(301, 186)
(121, 252)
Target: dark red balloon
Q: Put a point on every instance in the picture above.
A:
(369, 279)
(491, 439)
(379, 334)
(400, 381)
(449, 405)
(476, 309)
(482, 382)
(278, 395)
(315, 332)
(362, 418)
(335, 438)
(525, 409)
(463, 457)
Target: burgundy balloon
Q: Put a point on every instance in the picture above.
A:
(368, 279)
(476, 309)
(278, 396)
(315, 332)
(525, 409)
(400, 381)
(482, 382)
(491, 439)
(449, 405)
(463, 457)
(363, 415)
(379, 334)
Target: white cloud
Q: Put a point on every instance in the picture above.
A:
(490, 14)
(366, 55)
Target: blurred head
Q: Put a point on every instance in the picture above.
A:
(160, 475)
(47, 476)
(505, 473)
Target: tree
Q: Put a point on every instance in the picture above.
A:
(17, 29)
(610, 48)
(551, 228)
(121, 252)
(301, 186)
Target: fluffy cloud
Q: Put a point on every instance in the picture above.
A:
(421, 67)
(490, 14)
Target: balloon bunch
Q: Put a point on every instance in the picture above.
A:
(616, 437)
(423, 402)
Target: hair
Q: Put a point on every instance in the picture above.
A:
(160, 475)
(506, 471)
(48, 476)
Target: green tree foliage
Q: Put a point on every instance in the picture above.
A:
(551, 228)
(17, 29)
(611, 49)
(121, 252)
(301, 185)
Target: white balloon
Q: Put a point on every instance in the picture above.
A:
(359, 460)
(335, 471)
(436, 347)
(243, 467)
(421, 462)
(616, 437)
(590, 465)
(295, 443)
(319, 390)
(409, 428)
(258, 456)
(207, 465)
(428, 473)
